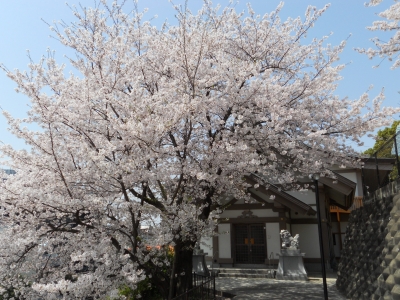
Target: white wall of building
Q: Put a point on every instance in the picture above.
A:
(289, 228)
(343, 226)
(206, 244)
(351, 176)
(308, 239)
(273, 239)
(307, 197)
(224, 241)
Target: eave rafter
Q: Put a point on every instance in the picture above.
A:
(281, 197)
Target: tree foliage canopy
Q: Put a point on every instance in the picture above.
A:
(162, 122)
(382, 137)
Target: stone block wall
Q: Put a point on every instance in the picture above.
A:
(370, 262)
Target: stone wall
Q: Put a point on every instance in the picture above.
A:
(370, 261)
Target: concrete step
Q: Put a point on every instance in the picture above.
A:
(244, 271)
(250, 266)
(245, 275)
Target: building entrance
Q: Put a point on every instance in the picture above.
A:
(250, 243)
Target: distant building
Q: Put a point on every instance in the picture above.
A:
(248, 231)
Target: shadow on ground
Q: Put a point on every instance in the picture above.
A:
(251, 288)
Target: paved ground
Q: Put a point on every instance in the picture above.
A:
(254, 288)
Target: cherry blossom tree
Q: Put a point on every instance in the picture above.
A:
(387, 49)
(162, 122)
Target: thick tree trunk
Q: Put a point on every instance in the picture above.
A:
(181, 274)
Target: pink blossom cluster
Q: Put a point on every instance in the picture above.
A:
(161, 126)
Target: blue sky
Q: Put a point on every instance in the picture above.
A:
(22, 29)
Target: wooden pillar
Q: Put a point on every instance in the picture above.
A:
(215, 254)
(282, 220)
(340, 232)
(324, 226)
(282, 215)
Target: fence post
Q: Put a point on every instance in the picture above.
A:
(377, 169)
(213, 285)
(397, 154)
(365, 190)
(201, 290)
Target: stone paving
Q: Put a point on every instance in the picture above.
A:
(265, 288)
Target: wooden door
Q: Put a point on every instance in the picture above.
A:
(249, 243)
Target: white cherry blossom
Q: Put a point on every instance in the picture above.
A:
(391, 22)
(158, 126)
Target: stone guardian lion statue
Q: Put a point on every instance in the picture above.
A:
(289, 242)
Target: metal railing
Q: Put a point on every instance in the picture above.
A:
(386, 162)
(203, 289)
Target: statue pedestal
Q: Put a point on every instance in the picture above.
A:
(291, 265)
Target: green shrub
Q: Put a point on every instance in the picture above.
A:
(144, 288)
(154, 286)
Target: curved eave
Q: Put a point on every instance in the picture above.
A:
(341, 191)
(281, 197)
